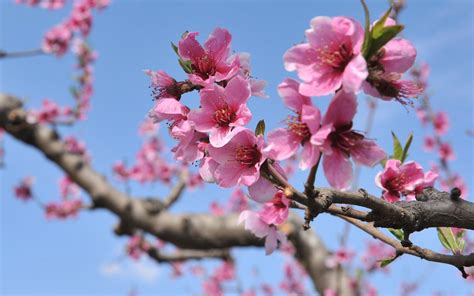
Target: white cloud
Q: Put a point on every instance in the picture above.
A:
(144, 269)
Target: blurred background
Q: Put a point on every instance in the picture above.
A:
(82, 256)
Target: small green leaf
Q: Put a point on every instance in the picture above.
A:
(397, 148)
(377, 29)
(398, 233)
(367, 37)
(186, 65)
(387, 261)
(383, 162)
(407, 147)
(175, 48)
(385, 35)
(260, 129)
(450, 241)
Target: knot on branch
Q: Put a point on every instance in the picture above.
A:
(153, 206)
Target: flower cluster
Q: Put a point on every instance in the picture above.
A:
(136, 246)
(407, 179)
(58, 39)
(333, 59)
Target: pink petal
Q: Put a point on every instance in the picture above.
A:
(237, 91)
(338, 170)
(218, 44)
(309, 156)
(311, 116)
(299, 56)
(341, 110)
(367, 153)
(399, 56)
(288, 91)
(282, 144)
(354, 74)
(262, 191)
(189, 48)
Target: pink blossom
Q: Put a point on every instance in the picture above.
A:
(177, 269)
(49, 112)
(67, 188)
(239, 160)
(190, 147)
(292, 282)
(223, 111)
(332, 57)
(164, 86)
(209, 64)
(81, 17)
(216, 209)
(341, 256)
(238, 201)
(422, 115)
(225, 272)
(441, 123)
(260, 229)
(405, 179)
(275, 211)
(56, 41)
(147, 127)
(136, 246)
(283, 143)
(120, 171)
(257, 87)
(429, 143)
(386, 69)
(194, 181)
(374, 252)
(168, 109)
(446, 152)
(267, 290)
(24, 190)
(421, 74)
(338, 142)
(63, 209)
(53, 4)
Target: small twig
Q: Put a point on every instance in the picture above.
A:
(309, 185)
(177, 190)
(21, 54)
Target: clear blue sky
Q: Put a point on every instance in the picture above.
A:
(65, 258)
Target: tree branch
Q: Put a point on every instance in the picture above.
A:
(458, 261)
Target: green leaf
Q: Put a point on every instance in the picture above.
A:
(397, 148)
(384, 36)
(186, 65)
(383, 162)
(377, 29)
(367, 37)
(398, 233)
(175, 48)
(452, 242)
(387, 261)
(260, 129)
(407, 147)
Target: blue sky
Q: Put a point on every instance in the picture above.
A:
(74, 257)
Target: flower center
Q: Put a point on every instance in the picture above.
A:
(247, 155)
(345, 138)
(204, 67)
(337, 59)
(298, 128)
(396, 184)
(224, 116)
